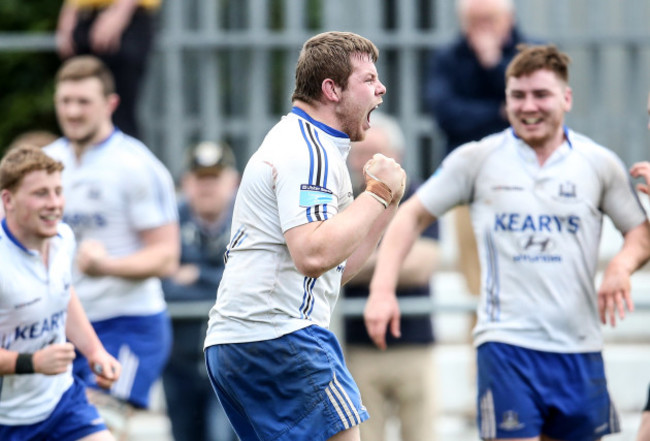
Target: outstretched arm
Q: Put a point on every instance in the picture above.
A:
(382, 309)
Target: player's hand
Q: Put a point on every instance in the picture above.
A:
(614, 294)
(386, 170)
(397, 197)
(106, 32)
(187, 274)
(487, 47)
(90, 255)
(106, 368)
(381, 312)
(642, 170)
(53, 359)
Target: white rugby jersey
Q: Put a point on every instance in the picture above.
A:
(537, 231)
(33, 312)
(117, 189)
(298, 175)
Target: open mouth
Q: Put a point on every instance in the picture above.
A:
(372, 110)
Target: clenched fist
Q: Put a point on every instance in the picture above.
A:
(53, 359)
(387, 171)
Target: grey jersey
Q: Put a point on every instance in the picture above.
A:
(537, 229)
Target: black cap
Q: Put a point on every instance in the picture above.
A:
(208, 157)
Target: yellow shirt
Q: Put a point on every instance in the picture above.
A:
(83, 4)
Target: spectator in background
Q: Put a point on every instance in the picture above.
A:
(464, 92)
(120, 203)
(209, 187)
(399, 381)
(120, 33)
(642, 170)
(40, 314)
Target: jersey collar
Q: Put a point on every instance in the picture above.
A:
(324, 127)
(565, 129)
(15, 240)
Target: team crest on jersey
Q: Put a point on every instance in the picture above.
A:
(311, 195)
(510, 421)
(567, 190)
(94, 193)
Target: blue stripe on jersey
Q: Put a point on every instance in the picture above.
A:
(492, 302)
(318, 168)
(311, 164)
(311, 153)
(307, 305)
(237, 239)
(327, 163)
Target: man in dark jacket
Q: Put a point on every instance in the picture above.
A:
(466, 80)
(464, 92)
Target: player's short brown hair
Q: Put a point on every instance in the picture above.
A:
(24, 159)
(530, 59)
(328, 55)
(87, 66)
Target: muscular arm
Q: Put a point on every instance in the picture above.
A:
(317, 247)
(158, 257)
(615, 292)
(382, 309)
(416, 270)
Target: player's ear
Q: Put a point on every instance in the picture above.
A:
(568, 98)
(7, 199)
(331, 91)
(113, 101)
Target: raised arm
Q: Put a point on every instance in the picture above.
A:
(317, 247)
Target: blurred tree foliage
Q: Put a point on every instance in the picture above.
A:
(26, 77)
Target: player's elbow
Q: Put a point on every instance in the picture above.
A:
(169, 262)
(168, 268)
(313, 266)
(311, 269)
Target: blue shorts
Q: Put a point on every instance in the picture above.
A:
(141, 344)
(73, 418)
(523, 393)
(292, 388)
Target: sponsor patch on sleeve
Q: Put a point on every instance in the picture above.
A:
(311, 195)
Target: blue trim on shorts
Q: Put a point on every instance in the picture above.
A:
(73, 418)
(142, 344)
(292, 388)
(523, 393)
